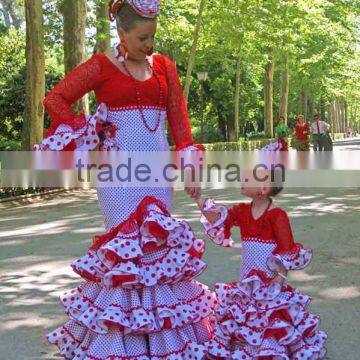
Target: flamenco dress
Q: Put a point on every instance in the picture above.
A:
(139, 299)
(256, 319)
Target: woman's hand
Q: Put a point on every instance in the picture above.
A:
(191, 186)
(193, 192)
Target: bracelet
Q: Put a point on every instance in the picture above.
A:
(282, 275)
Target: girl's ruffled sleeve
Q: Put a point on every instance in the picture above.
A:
(220, 231)
(291, 255)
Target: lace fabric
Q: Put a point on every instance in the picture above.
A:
(282, 231)
(177, 112)
(77, 83)
(88, 76)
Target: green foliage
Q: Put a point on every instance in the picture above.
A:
(10, 145)
(320, 37)
(13, 83)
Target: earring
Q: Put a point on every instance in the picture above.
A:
(122, 52)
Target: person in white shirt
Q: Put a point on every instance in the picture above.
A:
(318, 129)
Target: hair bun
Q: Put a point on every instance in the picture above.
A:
(114, 8)
(145, 8)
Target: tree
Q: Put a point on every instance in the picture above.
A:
(74, 13)
(284, 91)
(193, 49)
(35, 74)
(103, 36)
(237, 97)
(268, 96)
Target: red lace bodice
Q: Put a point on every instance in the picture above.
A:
(272, 226)
(116, 90)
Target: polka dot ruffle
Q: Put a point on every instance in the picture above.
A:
(255, 318)
(124, 260)
(297, 259)
(138, 311)
(76, 342)
(84, 139)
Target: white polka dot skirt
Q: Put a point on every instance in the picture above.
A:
(139, 299)
(255, 319)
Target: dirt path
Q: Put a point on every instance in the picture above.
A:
(39, 240)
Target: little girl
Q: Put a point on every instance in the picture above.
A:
(260, 316)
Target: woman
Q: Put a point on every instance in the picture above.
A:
(139, 300)
(281, 132)
(302, 129)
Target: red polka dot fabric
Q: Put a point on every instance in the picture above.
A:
(254, 317)
(139, 299)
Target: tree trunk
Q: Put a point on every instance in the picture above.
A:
(33, 126)
(221, 124)
(231, 128)
(331, 118)
(268, 97)
(284, 92)
(337, 116)
(303, 102)
(103, 35)
(74, 41)
(191, 61)
(237, 97)
(346, 113)
(322, 108)
(310, 108)
(342, 111)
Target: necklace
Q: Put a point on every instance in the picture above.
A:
(138, 98)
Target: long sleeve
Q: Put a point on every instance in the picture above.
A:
(78, 82)
(291, 255)
(177, 113)
(220, 231)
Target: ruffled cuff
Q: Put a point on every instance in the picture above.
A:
(296, 259)
(189, 155)
(216, 231)
(86, 134)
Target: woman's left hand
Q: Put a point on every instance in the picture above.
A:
(192, 185)
(193, 192)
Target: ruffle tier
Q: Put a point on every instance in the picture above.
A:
(256, 318)
(150, 248)
(139, 300)
(138, 311)
(78, 343)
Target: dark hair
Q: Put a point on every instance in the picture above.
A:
(275, 190)
(277, 182)
(127, 17)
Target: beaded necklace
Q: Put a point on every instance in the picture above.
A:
(138, 98)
